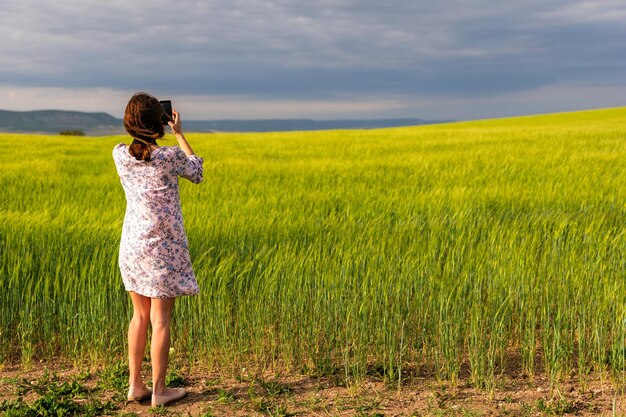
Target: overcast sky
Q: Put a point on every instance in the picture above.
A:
(325, 59)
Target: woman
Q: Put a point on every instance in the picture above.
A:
(153, 257)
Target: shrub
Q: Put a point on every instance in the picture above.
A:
(72, 132)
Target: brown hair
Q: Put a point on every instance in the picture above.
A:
(142, 120)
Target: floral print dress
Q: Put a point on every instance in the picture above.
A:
(154, 257)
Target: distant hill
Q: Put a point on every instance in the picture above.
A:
(276, 125)
(55, 121)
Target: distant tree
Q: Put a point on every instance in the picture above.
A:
(72, 132)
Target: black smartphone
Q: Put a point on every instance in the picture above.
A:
(166, 117)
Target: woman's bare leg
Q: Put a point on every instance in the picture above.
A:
(137, 334)
(160, 316)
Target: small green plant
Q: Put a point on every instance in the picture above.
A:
(9, 380)
(84, 374)
(364, 407)
(225, 396)
(274, 388)
(175, 379)
(526, 410)
(115, 378)
(273, 409)
(466, 412)
(211, 382)
(556, 407)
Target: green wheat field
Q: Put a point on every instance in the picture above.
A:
(477, 245)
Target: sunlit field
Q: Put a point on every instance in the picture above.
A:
(433, 249)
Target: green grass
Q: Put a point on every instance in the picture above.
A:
(54, 398)
(338, 252)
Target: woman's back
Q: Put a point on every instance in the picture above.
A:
(154, 258)
(166, 164)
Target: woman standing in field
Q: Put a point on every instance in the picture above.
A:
(153, 257)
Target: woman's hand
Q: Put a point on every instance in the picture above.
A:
(176, 126)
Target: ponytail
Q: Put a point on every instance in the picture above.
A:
(140, 149)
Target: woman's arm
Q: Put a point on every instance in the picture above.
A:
(177, 130)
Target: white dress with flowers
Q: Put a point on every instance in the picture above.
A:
(154, 257)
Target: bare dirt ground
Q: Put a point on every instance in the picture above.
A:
(212, 394)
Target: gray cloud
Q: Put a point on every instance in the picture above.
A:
(320, 50)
